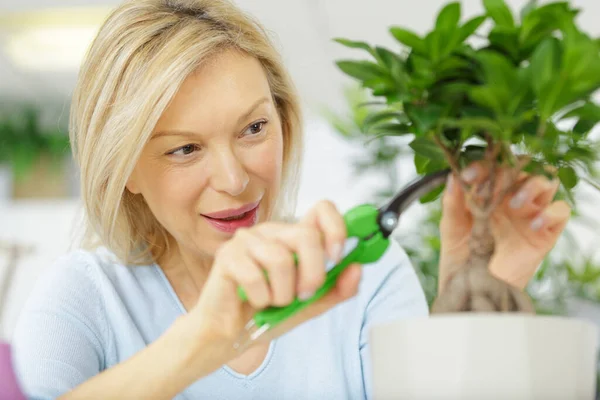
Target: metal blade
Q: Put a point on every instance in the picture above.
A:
(390, 213)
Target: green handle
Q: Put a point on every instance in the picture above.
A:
(365, 244)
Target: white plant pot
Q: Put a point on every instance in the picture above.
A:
(485, 356)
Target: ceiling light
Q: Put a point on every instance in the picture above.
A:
(53, 40)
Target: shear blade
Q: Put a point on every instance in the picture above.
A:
(401, 201)
(249, 334)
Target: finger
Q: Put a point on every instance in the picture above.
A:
(453, 199)
(454, 208)
(326, 218)
(346, 287)
(553, 219)
(247, 274)
(535, 194)
(308, 244)
(476, 172)
(278, 261)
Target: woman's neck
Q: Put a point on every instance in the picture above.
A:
(187, 272)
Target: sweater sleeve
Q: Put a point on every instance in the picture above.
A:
(61, 336)
(396, 294)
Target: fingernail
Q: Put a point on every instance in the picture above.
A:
(518, 200)
(335, 252)
(537, 223)
(469, 174)
(305, 295)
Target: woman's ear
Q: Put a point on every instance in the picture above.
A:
(131, 185)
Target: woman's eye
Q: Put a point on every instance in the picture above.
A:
(185, 150)
(256, 128)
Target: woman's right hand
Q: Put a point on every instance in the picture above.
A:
(203, 340)
(269, 246)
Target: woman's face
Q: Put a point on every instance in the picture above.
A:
(214, 161)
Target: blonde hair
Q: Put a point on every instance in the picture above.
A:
(135, 66)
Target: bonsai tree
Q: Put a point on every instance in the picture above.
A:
(515, 95)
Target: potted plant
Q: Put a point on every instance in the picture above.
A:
(516, 95)
(35, 155)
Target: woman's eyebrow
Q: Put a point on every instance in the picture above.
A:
(245, 115)
(251, 109)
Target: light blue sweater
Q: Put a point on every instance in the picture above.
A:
(88, 313)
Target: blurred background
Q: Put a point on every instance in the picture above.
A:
(42, 43)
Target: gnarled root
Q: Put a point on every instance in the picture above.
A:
(474, 289)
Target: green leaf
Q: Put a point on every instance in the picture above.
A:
(470, 27)
(486, 96)
(474, 124)
(588, 116)
(379, 117)
(506, 41)
(433, 195)
(588, 111)
(583, 127)
(530, 6)
(540, 23)
(501, 79)
(432, 44)
(427, 148)
(424, 118)
(382, 86)
(523, 96)
(499, 12)
(421, 163)
(391, 129)
(450, 92)
(355, 45)
(421, 69)
(389, 59)
(409, 39)
(459, 68)
(362, 70)
(395, 65)
(568, 177)
(545, 65)
(448, 17)
(498, 70)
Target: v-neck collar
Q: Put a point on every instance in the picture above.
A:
(224, 368)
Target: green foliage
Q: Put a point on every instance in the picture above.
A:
(381, 151)
(23, 140)
(566, 273)
(528, 89)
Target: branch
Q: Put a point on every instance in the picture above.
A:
(452, 161)
(467, 190)
(491, 155)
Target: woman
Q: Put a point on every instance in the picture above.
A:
(187, 130)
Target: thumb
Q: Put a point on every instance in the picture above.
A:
(455, 214)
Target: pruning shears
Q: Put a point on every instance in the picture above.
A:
(368, 232)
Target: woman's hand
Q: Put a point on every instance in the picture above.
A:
(525, 227)
(317, 238)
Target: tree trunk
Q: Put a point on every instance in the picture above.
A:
(481, 243)
(473, 288)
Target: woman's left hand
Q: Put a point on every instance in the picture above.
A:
(525, 227)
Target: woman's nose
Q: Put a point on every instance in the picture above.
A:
(229, 175)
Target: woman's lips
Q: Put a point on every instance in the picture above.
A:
(232, 212)
(249, 218)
